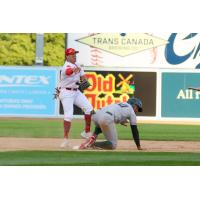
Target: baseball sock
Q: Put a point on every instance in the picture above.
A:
(97, 130)
(87, 123)
(67, 126)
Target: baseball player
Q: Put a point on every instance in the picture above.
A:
(71, 75)
(105, 120)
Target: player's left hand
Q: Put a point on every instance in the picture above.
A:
(83, 85)
(125, 122)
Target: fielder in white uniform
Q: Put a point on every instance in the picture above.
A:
(105, 120)
(71, 74)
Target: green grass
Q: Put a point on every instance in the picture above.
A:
(54, 129)
(31, 128)
(47, 158)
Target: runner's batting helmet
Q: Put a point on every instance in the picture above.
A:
(134, 101)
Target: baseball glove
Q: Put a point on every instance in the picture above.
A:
(83, 85)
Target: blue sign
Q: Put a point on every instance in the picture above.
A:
(27, 91)
(177, 99)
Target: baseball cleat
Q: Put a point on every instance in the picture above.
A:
(65, 144)
(96, 148)
(86, 135)
(88, 143)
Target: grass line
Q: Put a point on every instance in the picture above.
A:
(46, 158)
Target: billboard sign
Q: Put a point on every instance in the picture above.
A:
(27, 91)
(177, 99)
(155, 50)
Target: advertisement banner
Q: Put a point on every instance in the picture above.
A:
(109, 87)
(27, 91)
(177, 99)
(155, 50)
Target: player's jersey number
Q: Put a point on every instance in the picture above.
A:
(123, 105)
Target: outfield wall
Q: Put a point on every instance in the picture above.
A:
(28, 91)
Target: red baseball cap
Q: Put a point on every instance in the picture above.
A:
(70, 51)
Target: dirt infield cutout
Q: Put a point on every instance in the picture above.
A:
(53, 144)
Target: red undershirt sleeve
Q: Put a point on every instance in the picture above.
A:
(69, 71)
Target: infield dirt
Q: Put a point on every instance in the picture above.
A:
(53, 144)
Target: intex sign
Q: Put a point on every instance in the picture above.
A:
(22, 80)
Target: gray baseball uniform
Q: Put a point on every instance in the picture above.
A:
(106, 118)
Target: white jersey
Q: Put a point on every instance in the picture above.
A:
(121, 112)
(69, 81)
